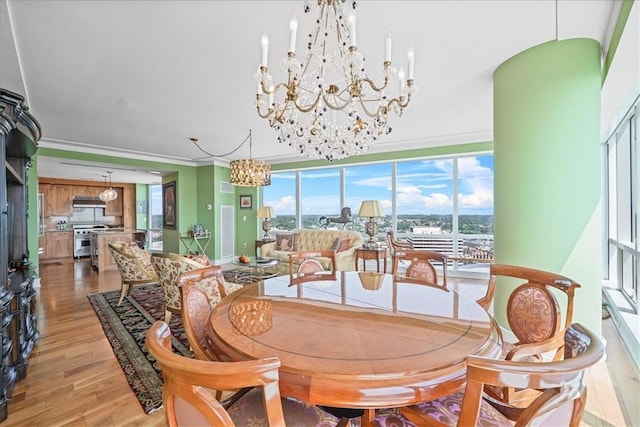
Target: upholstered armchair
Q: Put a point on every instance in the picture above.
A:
(134, 265)
(169, 268)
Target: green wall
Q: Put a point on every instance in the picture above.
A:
(205, 196)
(547, 178)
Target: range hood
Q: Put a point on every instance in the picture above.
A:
(87, 202)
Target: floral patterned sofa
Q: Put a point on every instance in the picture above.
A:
(343, 242)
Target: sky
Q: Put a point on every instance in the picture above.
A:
(422, 187)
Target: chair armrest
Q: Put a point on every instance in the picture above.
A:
(267, 248)
(523, 350)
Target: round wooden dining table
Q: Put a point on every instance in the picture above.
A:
(356, 339)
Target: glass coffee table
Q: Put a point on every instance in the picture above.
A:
(258, 268)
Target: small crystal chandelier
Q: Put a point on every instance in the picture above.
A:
(108, 194)
(329, 108)
(250, 172)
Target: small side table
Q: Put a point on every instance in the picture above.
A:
(259, 244)
(377, 254)
(201, 242)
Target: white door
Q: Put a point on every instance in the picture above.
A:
(227, 237)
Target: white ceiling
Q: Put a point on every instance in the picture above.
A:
(139, 78)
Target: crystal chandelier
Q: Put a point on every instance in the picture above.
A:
(250, 172)
(328, 107)
(108, 194)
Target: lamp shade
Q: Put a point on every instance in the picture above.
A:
(265, 212)
(371, 209)
(250, 173)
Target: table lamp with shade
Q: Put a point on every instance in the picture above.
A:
(266, 213)
(373, 210)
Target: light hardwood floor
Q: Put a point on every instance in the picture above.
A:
(74, 378)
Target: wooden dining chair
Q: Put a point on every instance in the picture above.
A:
(312, 263)
(561, 383)
(188, 400)
(421, 266)
(535, 319)
(169, 267)
(202, 289)
(134, 266)
(398, 245)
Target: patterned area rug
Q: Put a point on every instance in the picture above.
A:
(243, 276)
(126, 327)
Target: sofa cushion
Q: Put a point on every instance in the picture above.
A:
(286, 241)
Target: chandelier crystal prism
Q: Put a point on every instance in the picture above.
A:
(329, 108)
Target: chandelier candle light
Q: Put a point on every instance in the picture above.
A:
(373, 210)
(329, 108)
(266, 212)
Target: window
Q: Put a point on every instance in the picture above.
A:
(281, 196)
(623, 197)
(443, 204)
(369, 182)
(320, 198)
(155, 217)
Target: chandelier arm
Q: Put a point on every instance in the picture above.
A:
(399, 103)
(303, 109)
(336, 107)
(373, 85)
(366, 111)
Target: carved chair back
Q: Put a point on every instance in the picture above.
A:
(421, 266)
(306, 264)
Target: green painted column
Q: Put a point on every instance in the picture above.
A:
(548, 169)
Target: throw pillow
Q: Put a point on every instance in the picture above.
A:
(294, 242)
(284, 241)
(336, 244)
(344, 244)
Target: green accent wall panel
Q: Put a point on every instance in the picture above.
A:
(547, 160)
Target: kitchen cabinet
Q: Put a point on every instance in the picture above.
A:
(58, 200)
(58, 244)
(87, 191)
(114, 207)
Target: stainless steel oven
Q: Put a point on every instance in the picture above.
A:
(82, 238)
